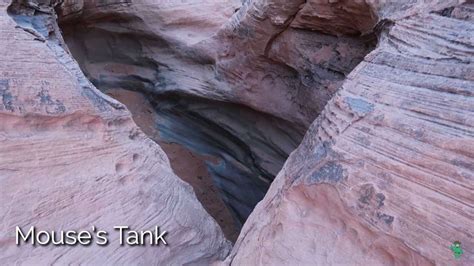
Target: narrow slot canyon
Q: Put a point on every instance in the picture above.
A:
(228, 152)
(236, 132)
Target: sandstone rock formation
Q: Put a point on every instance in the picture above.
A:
(383, 89)
(72, 158)
(385, 173)
(130, 52)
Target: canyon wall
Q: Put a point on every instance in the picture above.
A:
(72, 158)
(123, 46)
(384, 175)
(383, 89)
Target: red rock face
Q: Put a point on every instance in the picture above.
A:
(383, 176)
(336, 17)
(72, 158)
(378, 178)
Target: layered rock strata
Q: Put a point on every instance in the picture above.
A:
(384, 175)
(72, 157)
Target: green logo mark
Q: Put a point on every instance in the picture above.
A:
(456, 249)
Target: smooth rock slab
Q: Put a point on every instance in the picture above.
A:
(72, 158)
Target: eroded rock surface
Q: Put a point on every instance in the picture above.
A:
(257, 63)
(122, 46)
(72, 158)
(383, 176)
(385, 173)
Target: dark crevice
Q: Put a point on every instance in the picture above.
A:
(241, 149)
(250, 147)
(228, 152)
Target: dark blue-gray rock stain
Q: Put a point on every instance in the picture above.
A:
(330, 172)
(52, 106)
(388, 219)
(7, 97)
(359, 106)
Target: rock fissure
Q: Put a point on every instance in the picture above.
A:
(123, 97)
(236, 150)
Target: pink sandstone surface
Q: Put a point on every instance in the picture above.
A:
(383, 91)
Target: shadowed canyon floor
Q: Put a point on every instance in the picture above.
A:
(228, 153)
(237, 151)
(189, 166)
